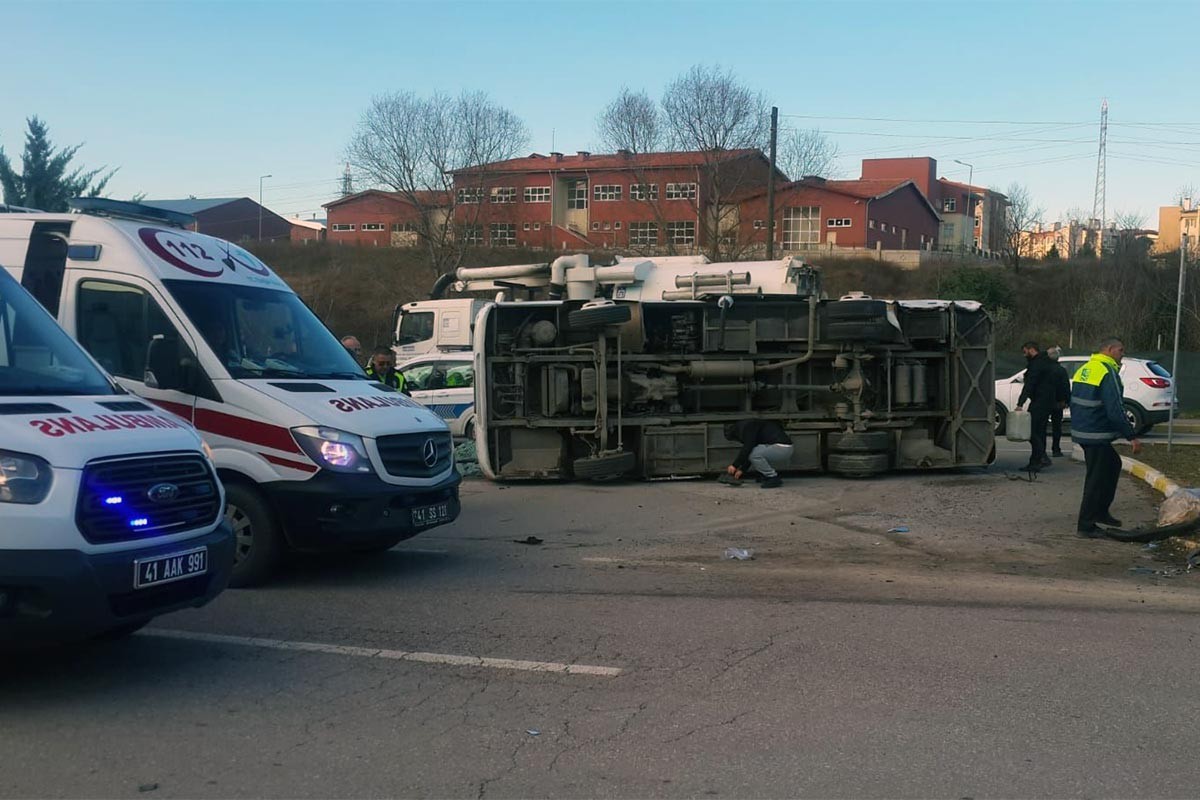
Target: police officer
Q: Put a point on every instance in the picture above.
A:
(1098, 419)
(383, 369)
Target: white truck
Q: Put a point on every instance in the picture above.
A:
(110, 510)
(314, 456)
(634, 368)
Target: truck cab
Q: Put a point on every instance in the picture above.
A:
(111, 512)
(313, 454)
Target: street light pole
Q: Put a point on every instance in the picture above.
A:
(970, 192)
(260, 199)
(1183, 246)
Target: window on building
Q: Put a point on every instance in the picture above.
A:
(595, 226)
(893, 229)
(760, 224)
(871, 224)
(372, 226)
(473, 194)
(577, 194)
(948, 233)
(643, 191)
(617, 225)
(404, 227)
(537, 226)
(607, 226)
(838, 222)
(502, 234)
(681, 191)
(801, 226)
(525, 226)
(537, 194)
(343, 226)
(977, 222)
(606, 191)
(471, 234)
(643, 233)
(504, 194)
(949, 204)
(683, 233)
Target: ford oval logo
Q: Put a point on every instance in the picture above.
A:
(162, 492)
(429, 453)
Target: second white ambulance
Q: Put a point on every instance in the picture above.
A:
(314, 455)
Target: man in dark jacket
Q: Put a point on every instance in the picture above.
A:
(765, 446)
(1062, 396)
(1038, 389)
(1097, 420)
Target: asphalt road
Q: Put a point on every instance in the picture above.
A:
(986, 652)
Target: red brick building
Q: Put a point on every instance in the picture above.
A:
(644, 202)
(378, 218)
(814, 212)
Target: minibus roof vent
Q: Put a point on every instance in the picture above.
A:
(125, 209)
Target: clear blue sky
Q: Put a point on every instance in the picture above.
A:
(201, 98)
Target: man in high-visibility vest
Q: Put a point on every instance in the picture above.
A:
(1097, 420)
(383, 369)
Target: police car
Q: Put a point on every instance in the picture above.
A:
(445, 384)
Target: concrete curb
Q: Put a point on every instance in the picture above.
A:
(1157, 481)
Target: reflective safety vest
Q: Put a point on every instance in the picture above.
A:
(1097, 410)
(393, 381)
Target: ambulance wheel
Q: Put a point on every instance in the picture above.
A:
(122, 631)
(599, 317)
(604, 467)
(257, 547)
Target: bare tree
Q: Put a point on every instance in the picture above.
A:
(412, 145)
(1019, 222)
(807, 152)
(1128, 244)
(630, 122)
(709, 111)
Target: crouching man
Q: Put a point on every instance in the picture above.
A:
(765, 446)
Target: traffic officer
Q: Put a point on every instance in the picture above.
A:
(1097, 420)
(382, 368)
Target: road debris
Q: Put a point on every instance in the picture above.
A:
(898, 529)
(533, 732)
(738, 554)
(528, 540)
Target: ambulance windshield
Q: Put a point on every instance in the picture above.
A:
(263, 333)
(36, 356)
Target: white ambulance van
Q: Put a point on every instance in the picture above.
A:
(110, 511)
(314, 455)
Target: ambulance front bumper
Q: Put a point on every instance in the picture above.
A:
(332, 511)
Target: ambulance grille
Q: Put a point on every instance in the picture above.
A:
(406, 455)
(126, 499)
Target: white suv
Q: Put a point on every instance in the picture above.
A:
(1147, 392)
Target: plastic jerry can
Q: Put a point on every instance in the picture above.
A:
(1020, 426)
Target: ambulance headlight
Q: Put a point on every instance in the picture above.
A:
(23, 478)
(332, 449)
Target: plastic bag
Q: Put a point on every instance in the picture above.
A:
(1183, 506)
(739, 554)
(1019, 426)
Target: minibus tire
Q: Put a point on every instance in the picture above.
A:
(245, 506)
(598, 317)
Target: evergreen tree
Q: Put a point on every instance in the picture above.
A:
(1052, 253)
(46, 180)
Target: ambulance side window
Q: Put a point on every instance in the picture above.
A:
(116, 324)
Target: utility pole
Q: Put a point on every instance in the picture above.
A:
(771, 185)
(1098, 203)
(260, 198)
(1183, 246)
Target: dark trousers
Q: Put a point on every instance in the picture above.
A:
(1056, 428)
(1100, 484)
(1039, 419)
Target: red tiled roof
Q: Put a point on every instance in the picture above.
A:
(536, 162)
(863, 189)
(433, 199)
(972, 189)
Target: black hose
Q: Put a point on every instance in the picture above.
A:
(1153, 534)
(441, 285)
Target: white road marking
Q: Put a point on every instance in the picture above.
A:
(397, 655)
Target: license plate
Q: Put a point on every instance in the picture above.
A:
(167, 569)
(430, 515)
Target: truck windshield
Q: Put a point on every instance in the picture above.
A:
(36, 356)
(263, 333)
